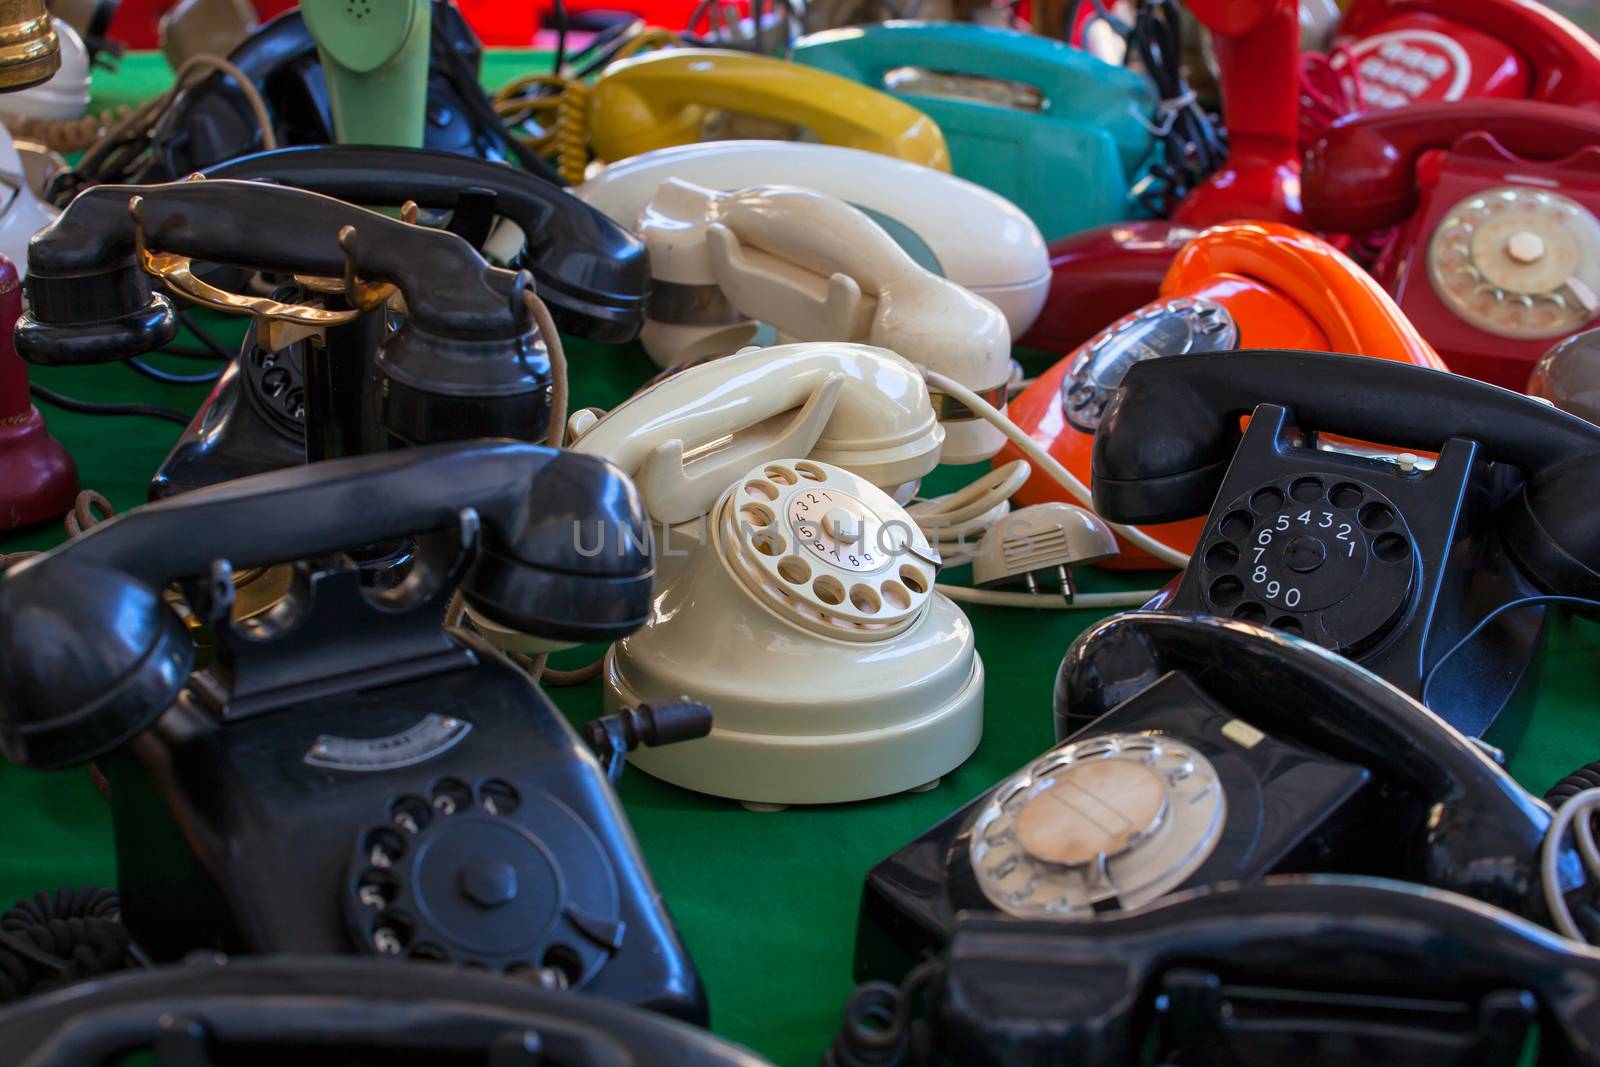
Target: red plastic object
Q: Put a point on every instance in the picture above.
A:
(1411, 51)
(136, 23)
(1258, 54)
(37, 478)
(1284, 288)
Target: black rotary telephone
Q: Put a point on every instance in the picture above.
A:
(347, 774)
(1216, 751)
(1310, 971)
(1380, 560)
(330, 1012)
(466, 362)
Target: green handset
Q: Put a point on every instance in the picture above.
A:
(375, 56)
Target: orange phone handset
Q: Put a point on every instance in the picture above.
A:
(663, 99)
(1258, 284)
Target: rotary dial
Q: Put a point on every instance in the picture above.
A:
(1518, 262)
(1120, 819)
(1319, 556)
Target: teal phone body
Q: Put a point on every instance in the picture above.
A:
(1058, 132)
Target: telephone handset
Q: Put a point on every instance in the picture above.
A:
(1017, 110)
(328, 1011)
(1417, 51)
(1213, 751)
(1376, 559)
(1291, 969)
(1238, 285)
(1498, 252)
(817, 269)
(349, 775)
(980, 241)
(666, 98)
(466, 362)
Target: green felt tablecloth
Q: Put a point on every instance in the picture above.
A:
(765, 902)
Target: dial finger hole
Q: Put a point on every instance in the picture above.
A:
(1289, 625)
(564, 964)
(781, 475)
(828, 589)
(411, 814)
(913, 579)
(450, 796)
(770, 543)
(1266, 501)
(1222, 556)
(1376, 516)
(865, 599)
(1346, 495)
(756, 515)
(1391, 548)
(794, 570)
(1236, 524)
(376, 889)
(1305, 490)
(498, 797)
(1250, 611)
(895, 595)
(392, 932)
(810, 472)
(384, 848)
(1226, 591)
(763, 490)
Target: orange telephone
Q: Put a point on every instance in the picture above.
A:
(1238, 285)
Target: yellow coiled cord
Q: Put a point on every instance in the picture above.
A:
(67, 135)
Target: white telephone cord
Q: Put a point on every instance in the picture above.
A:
(1577, 815)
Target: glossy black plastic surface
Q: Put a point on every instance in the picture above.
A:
(1311, 971)
(1434, 808)
(320, 1011)
(594, 274)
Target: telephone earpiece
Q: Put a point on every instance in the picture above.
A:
(467, 362)
(1169, 434)
(90, 656)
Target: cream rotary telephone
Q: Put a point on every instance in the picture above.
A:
(817, 269)
(956, 228)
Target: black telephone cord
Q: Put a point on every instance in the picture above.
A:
(878, 1027)
(50, 940)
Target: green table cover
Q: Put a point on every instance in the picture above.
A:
(765, 902)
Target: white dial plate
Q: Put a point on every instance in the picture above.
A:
(840, 530)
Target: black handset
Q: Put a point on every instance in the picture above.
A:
(593, 272)
(1310, 971)
(1215, 751)
(348, 774)
(1382, 560)
(466, 362)
(322, 1010)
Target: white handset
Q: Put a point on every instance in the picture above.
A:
(976, 238)
(817, 269)
(686, 438)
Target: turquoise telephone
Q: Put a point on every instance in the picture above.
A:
(1061, 134)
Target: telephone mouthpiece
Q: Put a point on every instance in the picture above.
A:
(76, 342)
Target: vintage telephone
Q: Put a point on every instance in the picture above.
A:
(348, 775)
(1022, 114)
(1497, 255)
(1417, 51)
(1238, 285)
(1375, 558)
(792, 589)
(375, 63)
(816, 269)
(669, 97)
(1568, 376)
(980, 241)
(1196, 750)
(327, 1011)
(38, 479)
(466, 362)
(1315, 971)
(213, 122)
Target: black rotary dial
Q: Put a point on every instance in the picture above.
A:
(1320, 556)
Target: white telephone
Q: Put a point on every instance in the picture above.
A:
(962, 231)
(817, 269)
(793, 593)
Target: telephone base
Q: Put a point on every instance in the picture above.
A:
(38, 476)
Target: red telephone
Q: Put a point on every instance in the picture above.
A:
(1498, 252)
(1413, 51)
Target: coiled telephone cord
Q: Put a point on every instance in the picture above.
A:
(877, 1030)
(68, 135)
(89, 510)
(48, 941)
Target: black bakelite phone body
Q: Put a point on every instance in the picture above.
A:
(1386, 559)
(347, 774)
(1215, 751)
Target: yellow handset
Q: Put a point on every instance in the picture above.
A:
(663, 99)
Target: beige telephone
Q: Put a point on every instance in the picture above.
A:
(816, 269)
(793, 592)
